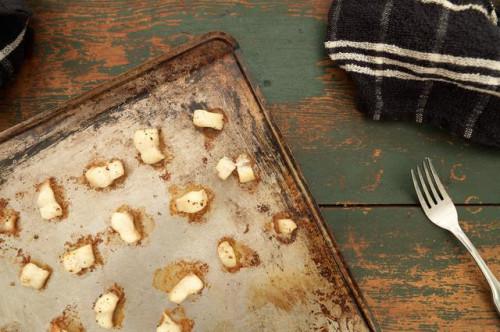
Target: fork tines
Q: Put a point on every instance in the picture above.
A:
(431, 182)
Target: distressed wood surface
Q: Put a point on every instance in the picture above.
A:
(345, 158)
(416, 276)
(79, 45)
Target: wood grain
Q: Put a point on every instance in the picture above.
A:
(348, 159)
(345, 158)
(416, 276)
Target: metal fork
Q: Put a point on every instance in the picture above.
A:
(439, 208)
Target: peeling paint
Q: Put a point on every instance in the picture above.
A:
(376, 182)
(415, 276)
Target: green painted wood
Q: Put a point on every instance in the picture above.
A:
(79, 45)
(408, 268)
(349, 159)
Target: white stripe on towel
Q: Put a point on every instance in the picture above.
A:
(468, 77)
(458, 8)
(406, 76)
(334, 19)
(13, 45)
(433, 57)
(440, 34)
(475, 114)
(384, 25)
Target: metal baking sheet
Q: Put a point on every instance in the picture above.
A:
(300, 286)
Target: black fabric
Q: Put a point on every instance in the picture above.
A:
(14, 17)
(428, 61)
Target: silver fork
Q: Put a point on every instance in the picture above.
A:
(439, 208)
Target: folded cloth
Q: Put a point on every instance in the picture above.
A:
(429, 61)
(14, 17)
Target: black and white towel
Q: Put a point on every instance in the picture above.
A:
(428, 61)
(14, 17)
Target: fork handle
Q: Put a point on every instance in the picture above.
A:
(490, 278)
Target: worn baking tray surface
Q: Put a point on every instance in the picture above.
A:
(302, 286)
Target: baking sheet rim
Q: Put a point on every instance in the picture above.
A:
(284, 150)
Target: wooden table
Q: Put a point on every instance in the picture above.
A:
(414, 276)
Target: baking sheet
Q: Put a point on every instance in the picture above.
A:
(296, 287)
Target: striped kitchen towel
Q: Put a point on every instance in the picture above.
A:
(428, 61)
(14, 17)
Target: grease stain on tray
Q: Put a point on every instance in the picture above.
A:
(245, 256)
(282, 290)
(22, 258)
(69, 321)
(250, 186)
(9, 220)
(60, 197)
(165, 279)
(273, 228)
(100, 162)
(83, 240)
(119, 313)
(210, 134)
(177, 192)
(143, 223)
(25, 259)
(178, 316)
(11, 327)
(165, 150)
